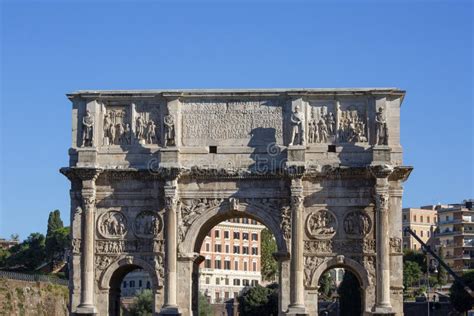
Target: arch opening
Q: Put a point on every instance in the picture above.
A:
(235, 256)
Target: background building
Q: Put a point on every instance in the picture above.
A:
(135, 282)
(231, 252)
(456, 234)
(422, 221)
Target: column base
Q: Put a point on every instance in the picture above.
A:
(383, 310)
(296, 310)
(86, 310)
(170, 310)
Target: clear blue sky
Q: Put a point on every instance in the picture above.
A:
(51, 48)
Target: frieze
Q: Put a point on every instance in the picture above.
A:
(321, 224)
(286, 222)
(116, 126)
(129, 245)
(322, 125)
(318, 246)
(357, 224)
(112, 224)
(148, 224)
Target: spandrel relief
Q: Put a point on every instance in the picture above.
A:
(322, 124)
(321, 224)
(112, 224)
(148, 224)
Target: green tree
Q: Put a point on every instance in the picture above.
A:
(325, 285)
(269, 266)
(54, 222)
(4, 254)
(204, 306)
(460, 299)
(442, 274)
(143, 304)
(259, 300)
(29, 254)
(350, 296)
(415, 256)
(57, 236)
(411, 273)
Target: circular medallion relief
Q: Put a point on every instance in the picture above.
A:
(148, 224)
(321, 224)
(112, 224)
(357, 223)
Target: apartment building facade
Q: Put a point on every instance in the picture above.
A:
(456, 235)
(422, 221)
(231, 252)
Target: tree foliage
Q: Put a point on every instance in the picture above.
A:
(350, 296)
(442, 276)
(411, 273)
(57, 237)
(29, 254)
(54, 222)
(204, 306)
(325, 285)
(259, 300)
(415, 256)
(269, 266)
(143, 304)
(460, 299)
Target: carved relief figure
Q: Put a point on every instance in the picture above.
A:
(112, 225)
(114, 129)
(352, 127)
(286, 222)
(297, 127)
(190, 209)
(318, 246)
(140, 129)
(87, 130)
(321, 224)
(150, 133)
(169, 130)
(321, 126)
(357, 223)
(148, 224)
(311, 263)
(381, 131)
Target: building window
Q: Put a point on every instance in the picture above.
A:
(414, 218)
(428, 233)
(226, 234)
(227, 248)
(216, 234)
(139, 283)
(254, 282)
(245, 282)
(255, 251)
(217, 264)
(148, 285)
(218, 248)
(245, 266)
(218, 281)
(245, 220)
(218, 297)
(245, 250)
(245, 236)
(236, 235)
(208, 280)
(208, 247)
(132, 283)
(236, 249)
(237, 282)
(227, 265)
(421, 219)
(124, 284)
(254, 266)
(421, 233)
(227, 281)
(236, 265)
(255, 236)
(207, 264)
(209, 234)
(404, 217)
(236, 294)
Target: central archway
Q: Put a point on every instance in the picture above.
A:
(268, 217)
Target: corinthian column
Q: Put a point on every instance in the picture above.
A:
(88, 177)
(381, 196)
(297, 306)
(170, 306)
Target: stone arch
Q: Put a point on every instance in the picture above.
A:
(214, 215)
(342, 262)
(132, 263)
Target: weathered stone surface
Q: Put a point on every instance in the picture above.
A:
(152, 171)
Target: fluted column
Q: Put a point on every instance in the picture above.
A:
(88, 177)
(381, 196)
(170, 306)
(297, 244)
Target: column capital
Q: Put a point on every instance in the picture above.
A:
(381, 171)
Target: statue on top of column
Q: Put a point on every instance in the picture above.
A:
(297, 129)
(87, 130)
(381, 132)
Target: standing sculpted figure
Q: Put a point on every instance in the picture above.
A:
(297, 130)
(140, 128)
(87, 129)
(169, 130)
(381, 134)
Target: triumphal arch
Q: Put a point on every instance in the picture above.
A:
(153, 171)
